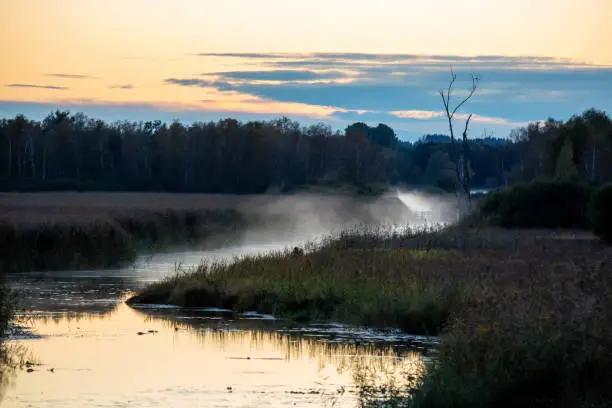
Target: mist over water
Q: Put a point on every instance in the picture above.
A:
(74, 312)
(433, 210)
(295, 220)
(305, 220)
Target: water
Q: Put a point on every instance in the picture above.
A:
(92, 355)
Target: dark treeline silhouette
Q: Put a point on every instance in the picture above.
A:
(67, 151)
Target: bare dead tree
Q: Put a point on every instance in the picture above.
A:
(466, 180)
(459, 158)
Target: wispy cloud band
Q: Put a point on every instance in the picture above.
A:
(70, 76)
(126, 86)
(52, 87)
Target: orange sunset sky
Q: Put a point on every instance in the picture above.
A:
(335, 60)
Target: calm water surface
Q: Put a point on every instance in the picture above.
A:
(90, 353)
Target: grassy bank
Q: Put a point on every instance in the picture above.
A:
(72, 230)
(408, 280)
(363, 286)
(523, 315)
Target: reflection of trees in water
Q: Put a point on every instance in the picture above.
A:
(274, 339)
(376, 367)
(62, 316)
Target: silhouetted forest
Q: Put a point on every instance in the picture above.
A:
(73, 151)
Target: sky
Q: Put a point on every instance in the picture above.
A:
(332, 61)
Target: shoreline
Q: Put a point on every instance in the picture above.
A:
(504, 304)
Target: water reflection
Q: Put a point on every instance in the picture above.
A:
(185, 359)
(65, 292)
(98, 291)
(97, 351)
(13, 357)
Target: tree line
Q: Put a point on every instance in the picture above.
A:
(74, 151)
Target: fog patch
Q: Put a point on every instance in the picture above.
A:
(295, 220)
(283, 222)
(432, 209)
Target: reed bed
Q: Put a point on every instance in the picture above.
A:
(524, 317)
(54, 231)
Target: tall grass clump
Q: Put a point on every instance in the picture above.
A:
(377, 287)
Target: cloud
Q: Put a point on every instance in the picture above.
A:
(244, 100)
(417, 114)
(518, 89)
(126, 86)
(424, 60)
(280, 75)
(397, 89)
(426, 115)
(53, 87)
(490, 120)
(200, 83)
(70, 76)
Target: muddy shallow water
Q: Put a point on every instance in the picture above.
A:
(95, 351)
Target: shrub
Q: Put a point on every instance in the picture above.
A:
(600, 212)
(540, 204)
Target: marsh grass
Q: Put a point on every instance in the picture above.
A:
(55, 236)
(410, 279)
(536, 330)
(50, 231)
(524, 317)
(364, 286)
(542, 340)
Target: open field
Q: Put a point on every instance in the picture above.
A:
(524, 316)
